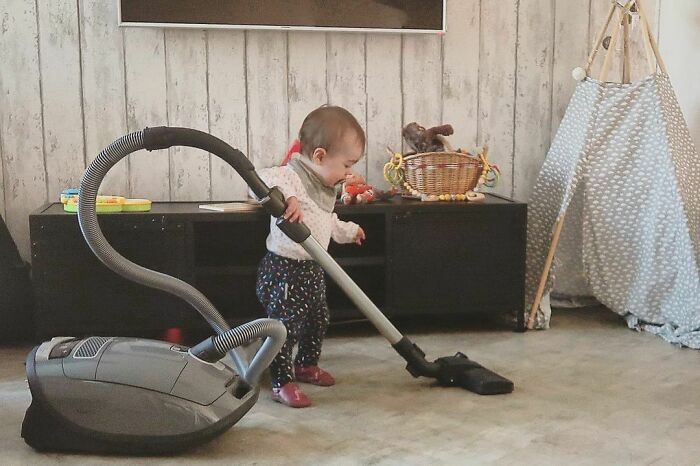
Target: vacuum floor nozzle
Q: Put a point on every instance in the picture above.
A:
(453, 371)
(460, 371)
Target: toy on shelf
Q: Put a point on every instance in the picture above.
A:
(104, 204)
(356, 191)
(441, 173)
(69, 193)
(136, 205)
(426, 140)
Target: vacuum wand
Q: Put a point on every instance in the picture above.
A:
(457, 370)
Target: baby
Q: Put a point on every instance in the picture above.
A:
(290, 285)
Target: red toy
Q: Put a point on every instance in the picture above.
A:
(356, 191)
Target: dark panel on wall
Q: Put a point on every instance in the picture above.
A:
(374, 14)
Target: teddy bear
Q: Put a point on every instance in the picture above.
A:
(422, 140)
(356, 191)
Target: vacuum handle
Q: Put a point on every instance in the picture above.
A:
(296, 231)
(163, 137)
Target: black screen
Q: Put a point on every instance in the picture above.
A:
(371, 14)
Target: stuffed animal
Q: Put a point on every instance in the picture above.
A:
(356, 191)
(426, 140)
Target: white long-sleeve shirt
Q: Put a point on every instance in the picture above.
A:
(323, 225)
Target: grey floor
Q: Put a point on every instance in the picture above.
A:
(588, 391)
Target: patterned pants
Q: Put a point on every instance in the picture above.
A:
(294, 292)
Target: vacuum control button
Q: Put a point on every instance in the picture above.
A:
(63, 350)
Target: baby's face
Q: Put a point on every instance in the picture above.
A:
(337, 164)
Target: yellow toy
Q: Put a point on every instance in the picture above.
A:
(136, 205)
(105, 204)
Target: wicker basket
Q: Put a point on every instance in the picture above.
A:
(436, 173)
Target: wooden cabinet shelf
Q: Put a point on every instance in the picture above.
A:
(418, 258)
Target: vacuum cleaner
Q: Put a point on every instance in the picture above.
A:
(132, 395)
(140, 396)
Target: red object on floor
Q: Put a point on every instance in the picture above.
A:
(291, 395)
(174, 335)
(313, 375)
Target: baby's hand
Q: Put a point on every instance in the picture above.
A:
(360, 236)
(293, 212)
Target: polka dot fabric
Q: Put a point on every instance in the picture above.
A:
(294, 292)
(624, 169)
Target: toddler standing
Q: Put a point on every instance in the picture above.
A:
(290, 284)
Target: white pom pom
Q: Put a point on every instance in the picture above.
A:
(579, 74)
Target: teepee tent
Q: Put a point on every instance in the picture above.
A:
(615, 210)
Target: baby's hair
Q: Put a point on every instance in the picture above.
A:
(325, 127)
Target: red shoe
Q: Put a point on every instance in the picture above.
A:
(291, 395)
(313, 375)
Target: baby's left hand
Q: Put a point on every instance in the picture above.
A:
(360, 236)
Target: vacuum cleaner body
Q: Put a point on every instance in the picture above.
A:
(128, 395)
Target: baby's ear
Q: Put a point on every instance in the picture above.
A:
(318, 154)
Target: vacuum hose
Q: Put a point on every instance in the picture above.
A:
(161, 138)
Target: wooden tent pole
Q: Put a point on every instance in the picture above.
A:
(599, 40)
(560, 223)
(649, 52)
(611, 51)
(626, 65)
(545, 272)
(652, 40)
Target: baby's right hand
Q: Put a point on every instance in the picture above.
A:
(293, 212)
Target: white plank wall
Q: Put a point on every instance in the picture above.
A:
(186, 64)
(346, 79)
(384, 103)
(59, 47)
(497, 81)
(421, 85)
(460, 76)
(306, 77)
(146, 105)
(104, 96)
(72, 81)
(24, 166)
(268, 106)
(572, 43)
(533, 100)
(227, 108)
